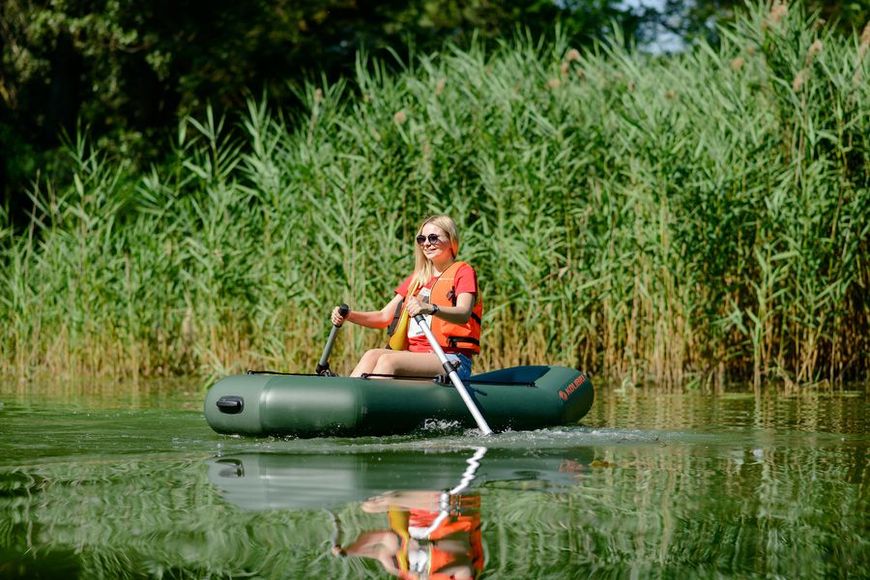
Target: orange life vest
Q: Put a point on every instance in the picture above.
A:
(467, 524)
(449, 335)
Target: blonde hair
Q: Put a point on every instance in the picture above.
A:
(423, 267)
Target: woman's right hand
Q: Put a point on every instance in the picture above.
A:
(337, 318)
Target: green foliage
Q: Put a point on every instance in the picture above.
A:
(694, 20)
(128, 70)
(681, 219)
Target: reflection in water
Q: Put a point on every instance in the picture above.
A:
(430, 503)
(431, 534)
(266, 481)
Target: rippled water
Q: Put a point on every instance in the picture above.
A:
(124, 481)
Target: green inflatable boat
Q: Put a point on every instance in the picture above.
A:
(518, 398)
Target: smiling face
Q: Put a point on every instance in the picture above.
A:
(439, 250)
(433, 256)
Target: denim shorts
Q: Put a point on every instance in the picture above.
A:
(464, 370)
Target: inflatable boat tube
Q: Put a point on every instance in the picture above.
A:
(517, 398)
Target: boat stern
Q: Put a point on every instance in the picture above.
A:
(232, 405)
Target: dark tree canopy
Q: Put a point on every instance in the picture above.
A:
(127, 69)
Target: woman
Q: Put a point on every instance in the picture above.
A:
(447, 297)
(431, 535)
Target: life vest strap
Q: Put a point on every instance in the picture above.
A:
(453, 340)
(396, 315)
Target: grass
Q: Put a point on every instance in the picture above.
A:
(688, 220)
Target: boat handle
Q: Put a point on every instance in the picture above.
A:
(231, 404)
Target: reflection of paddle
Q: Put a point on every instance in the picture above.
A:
(444, 500)
(406, 501)
(454, 376)
(323, 365)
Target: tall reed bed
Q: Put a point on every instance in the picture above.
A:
(688, 219)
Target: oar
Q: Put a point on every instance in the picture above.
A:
(323, 365)
(454, 376)
(444, 500)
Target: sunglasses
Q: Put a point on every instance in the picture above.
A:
(431, 238)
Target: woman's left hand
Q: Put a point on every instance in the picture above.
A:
(415, 307)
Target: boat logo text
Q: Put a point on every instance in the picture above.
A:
(569, 390)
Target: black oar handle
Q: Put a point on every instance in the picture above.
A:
(323, 365)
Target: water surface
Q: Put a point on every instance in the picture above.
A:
(129, 481)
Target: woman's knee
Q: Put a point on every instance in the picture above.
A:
(370, 356)
(386, 364)
(367, 362)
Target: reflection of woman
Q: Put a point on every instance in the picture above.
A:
(441, 289)
(431, 535)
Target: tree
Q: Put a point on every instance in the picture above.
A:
(126, 69)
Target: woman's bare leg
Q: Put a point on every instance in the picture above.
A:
(402, 362)
(368, 361)
(383, 361)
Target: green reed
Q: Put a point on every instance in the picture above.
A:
(684, 219)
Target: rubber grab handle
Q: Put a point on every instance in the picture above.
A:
(323, 365)
(344, 310)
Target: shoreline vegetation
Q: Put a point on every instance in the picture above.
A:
(690, 219)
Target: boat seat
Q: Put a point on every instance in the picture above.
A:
(526, 374)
